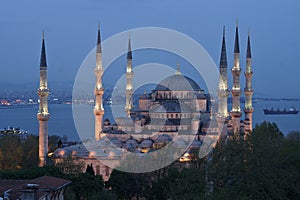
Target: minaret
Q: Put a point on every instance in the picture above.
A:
(43, 114)
(99, 90)
(129, 76)
(223, 91)
(223, 83)
(236, 88)
(248, 89)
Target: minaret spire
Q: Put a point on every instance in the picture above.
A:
(223, 59)
(248, 90)
(43, 62)
(223, 91)
(99, 50)
(236, 88)
(129, 76)
(99, 90)
(248, 47)
(129, 52)
(236, 43)
(43, 114)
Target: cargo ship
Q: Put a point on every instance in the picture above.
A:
(281, 112)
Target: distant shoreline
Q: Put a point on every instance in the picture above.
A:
(257, 99)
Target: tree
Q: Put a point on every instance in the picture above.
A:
(90, 169)
(30, 146)
(70, 166)
(53, 142)
(189, 183)
(12, 152)
(84, 186)
(129, 185)
(265, 166)
(294, 135)
(31, 173)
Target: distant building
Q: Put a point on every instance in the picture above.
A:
(14, 132)
(176, 105)
(42, 188)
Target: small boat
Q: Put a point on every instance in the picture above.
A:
(281, 112)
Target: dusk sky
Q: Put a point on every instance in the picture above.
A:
(70, 28)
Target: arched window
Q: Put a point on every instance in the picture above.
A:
(97, 170)
(106, 171)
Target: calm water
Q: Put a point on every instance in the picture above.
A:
(61, 120)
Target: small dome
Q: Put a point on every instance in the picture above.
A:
(106, 122)
(117, 142)
(131, 142)
(146, 143)
(163, 138)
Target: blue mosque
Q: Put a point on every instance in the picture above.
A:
(177, 106)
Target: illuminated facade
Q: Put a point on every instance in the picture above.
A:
(248, 90)
(176, 105)
(43, 113)
(99, 90)
(236, 88)
(129, 76)
(223, 91)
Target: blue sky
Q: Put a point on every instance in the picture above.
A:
(70, 27)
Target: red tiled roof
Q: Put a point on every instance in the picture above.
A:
(51, 183)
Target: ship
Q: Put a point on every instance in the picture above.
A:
(280, 112)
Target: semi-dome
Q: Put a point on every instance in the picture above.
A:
(178, 82)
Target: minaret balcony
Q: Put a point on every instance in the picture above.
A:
(129, 75)
(236, 92)
(236, 114)
(99, 91)
(98, 112)
(248, 74)
(248, 110)
(248, 92)
(98, 69)
(223, 92)
(43, 92)
(236, 71)
(43, 116)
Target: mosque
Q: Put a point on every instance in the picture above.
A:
(177, 106)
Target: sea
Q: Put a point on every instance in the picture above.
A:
(62, 123)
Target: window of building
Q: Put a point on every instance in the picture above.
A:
(106, 171)
(97, 170)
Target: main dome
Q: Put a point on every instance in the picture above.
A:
(178, 82)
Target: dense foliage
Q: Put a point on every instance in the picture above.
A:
(265, 166)
(17, 153)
